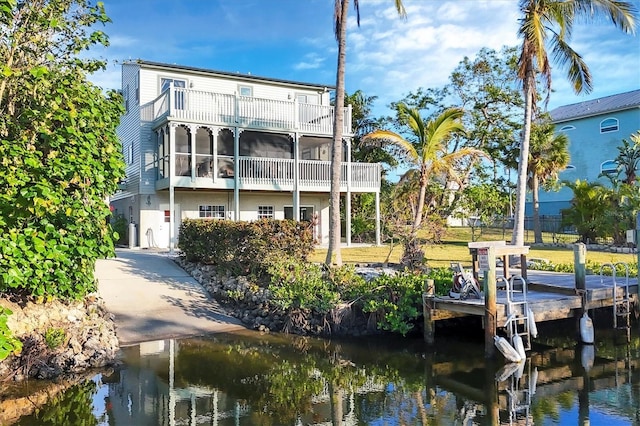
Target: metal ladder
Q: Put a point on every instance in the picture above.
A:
(517, 311)
(621, 298)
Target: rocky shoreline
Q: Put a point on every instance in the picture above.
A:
(251, 304)
(59, 338)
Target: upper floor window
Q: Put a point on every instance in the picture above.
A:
(265, 212)
(304, 98)
(216, 212)
(245, 91)
(609, 167)
(179, 99)
(566, 128)
(609, 125)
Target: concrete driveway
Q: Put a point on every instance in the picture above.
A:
(152, 298)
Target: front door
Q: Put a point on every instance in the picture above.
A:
(164, 234)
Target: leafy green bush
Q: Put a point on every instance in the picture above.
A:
(59, 151)
(300, 285)
(121, 229)
(397, 300)
(243, 247)
(8, 343)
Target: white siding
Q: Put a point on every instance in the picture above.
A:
(129, 131)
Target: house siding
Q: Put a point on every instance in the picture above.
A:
(263, 176)
(588, 149)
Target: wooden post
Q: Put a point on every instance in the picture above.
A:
(579, 260)
(429, 325)
(490, 308)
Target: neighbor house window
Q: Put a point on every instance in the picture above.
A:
(566, 128)
(245, 91)
(609, 167)
(265, 212)
(609, 125)
(167, 216)
(216, 212)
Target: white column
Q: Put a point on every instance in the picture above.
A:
(236, 174)
(214, 163)
(347, 204)
(172, 178)
(378, 242)
(193, 130)
(296, 177)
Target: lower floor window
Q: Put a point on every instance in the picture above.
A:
(216, 212)
(265, 212)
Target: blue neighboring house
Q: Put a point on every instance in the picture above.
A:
(595, 129)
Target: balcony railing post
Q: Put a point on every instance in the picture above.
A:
(170, 99)
(296, 114)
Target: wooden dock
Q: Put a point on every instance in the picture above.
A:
(550, 295)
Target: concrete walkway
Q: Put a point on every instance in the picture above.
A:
(152, 298)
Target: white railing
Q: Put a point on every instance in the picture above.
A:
(279, 172)
(260, 113)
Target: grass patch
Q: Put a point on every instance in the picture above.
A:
(454, 249)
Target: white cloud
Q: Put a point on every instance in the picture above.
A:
(311, 61)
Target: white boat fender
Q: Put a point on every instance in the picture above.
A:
(520, 371)
(533, 381)
(516, 340)
(507, 371)
(506, 349)
(587, 357)
(586, 329)
(531, 320)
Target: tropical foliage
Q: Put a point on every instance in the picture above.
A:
(58, 148)
(548, 24)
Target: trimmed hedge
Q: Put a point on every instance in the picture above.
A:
(242, 247)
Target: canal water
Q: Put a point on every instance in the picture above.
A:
(254, 379)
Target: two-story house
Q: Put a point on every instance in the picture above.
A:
(208, 144)
(595, 129)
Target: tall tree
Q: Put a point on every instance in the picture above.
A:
(340, 12)
(549, 154)
(427, 152)
(549, 24)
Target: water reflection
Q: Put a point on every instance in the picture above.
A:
(283, 380)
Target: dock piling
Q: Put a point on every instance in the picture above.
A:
(429, 325)
(490, 304)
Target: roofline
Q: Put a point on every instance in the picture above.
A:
(609, 111)
(237, 76)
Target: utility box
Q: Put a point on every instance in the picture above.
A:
(631, 236)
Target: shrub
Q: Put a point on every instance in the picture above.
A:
(8, 343)
(54, 337)
(300, 285)
(243, 247)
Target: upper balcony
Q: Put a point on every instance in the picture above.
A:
(198, 106)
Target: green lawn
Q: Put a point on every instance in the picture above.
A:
(454, 248)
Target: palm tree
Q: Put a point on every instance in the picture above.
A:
(551, 21)
(427, 153)
(548, 155)
(341, 7)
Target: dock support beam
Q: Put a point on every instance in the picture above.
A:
(490, 307)
(579, 260)
(429, 324)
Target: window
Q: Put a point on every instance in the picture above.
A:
(567, 128)
(167, 216)
(609, 167)
(130, 154)
(125, 95)
(179, 95)
(265, 212)
(245, 91)
(307, 99)
(609, 125)
(216, 212)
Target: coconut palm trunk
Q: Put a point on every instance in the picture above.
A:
(333, 253)
(517, 238)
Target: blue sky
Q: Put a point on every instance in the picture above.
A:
(387, 57)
